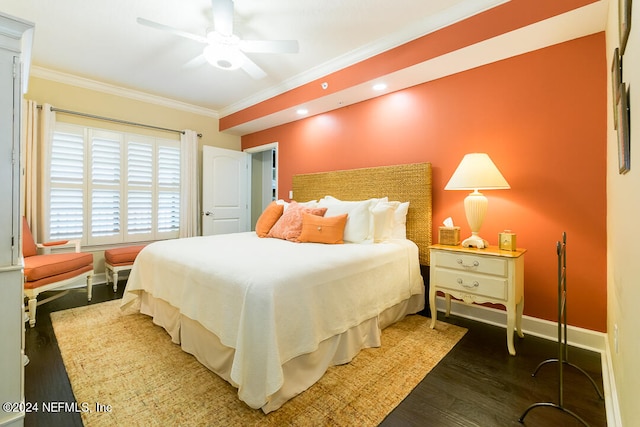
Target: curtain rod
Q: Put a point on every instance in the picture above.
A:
(124, 122)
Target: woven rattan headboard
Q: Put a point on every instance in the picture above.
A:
(405, 183)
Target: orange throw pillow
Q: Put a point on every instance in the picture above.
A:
(318, 229)
(268, 218)
(289, 226)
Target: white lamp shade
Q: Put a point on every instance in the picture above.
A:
(476, 171)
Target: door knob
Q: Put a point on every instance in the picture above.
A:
(208, 213)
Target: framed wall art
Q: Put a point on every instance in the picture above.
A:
(624, 142)
(624, 18)
(616, 79)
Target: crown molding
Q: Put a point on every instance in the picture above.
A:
(73, 80)
(421, 28)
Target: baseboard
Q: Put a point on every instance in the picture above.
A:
(577, 337)
(99, 279)
(96, 279)
(610, 392)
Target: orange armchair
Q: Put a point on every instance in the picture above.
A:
(50, 272)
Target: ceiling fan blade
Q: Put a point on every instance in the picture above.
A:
(269, 46)
(195, 62)
(251, 67)
(172, 30)
(223, 16)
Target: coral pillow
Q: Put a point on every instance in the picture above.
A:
(268, 218)
(289, 226)
(318, 229)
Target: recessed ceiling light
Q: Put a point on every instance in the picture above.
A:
(379, 86)
(302, 111)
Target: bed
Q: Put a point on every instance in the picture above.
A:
(269, 315)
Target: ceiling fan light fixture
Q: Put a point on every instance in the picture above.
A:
(223, 57)
(222, 48)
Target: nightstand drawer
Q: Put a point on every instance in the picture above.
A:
(487, 286)
(468, 262)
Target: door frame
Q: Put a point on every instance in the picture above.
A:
(267, 147)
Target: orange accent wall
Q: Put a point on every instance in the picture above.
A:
(541, 117)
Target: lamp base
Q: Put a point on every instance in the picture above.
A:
(475, 241)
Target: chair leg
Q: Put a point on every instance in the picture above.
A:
(106, 274)
(112, 277)
(89, 287)
(33, 303)
(115, 281)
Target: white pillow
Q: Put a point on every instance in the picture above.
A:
(400, 220)
(309, 204)
(359, 226)
(382, 215)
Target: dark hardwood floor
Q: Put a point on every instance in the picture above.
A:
(476, 384)
(479, 384)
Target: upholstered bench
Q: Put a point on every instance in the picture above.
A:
(119, 259)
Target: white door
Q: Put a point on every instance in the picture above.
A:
(225, 191)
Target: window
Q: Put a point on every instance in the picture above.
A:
(108, 187)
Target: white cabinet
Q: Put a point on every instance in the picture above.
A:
(479, 276)
(15, 40)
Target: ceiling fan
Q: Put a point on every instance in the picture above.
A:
(225, 50)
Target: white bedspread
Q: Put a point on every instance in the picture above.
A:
(272, 300)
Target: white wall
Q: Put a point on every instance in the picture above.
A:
(623, 231)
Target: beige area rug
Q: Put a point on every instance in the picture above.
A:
(129, 363)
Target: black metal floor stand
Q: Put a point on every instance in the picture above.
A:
(561, 249)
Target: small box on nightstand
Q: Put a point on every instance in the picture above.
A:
(449, 236)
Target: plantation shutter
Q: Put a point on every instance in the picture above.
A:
(66, 196)
(168, 189)
(105, 188)
(140, 188)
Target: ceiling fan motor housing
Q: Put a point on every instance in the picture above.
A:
(223, 56)
(223, 51)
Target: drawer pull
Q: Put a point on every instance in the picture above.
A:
(475, 284)
(475, 264)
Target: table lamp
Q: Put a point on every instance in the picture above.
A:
(476, 172)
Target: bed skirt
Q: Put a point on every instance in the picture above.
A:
(301, 372)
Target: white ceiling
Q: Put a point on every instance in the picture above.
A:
(100, 40)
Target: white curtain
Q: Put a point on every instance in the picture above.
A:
(37, 132)
(189, 183)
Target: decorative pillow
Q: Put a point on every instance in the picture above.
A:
(318, 229)
(359, 228)
(268, 218)
(289, 225)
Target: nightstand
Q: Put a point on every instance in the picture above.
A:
(479, 276)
